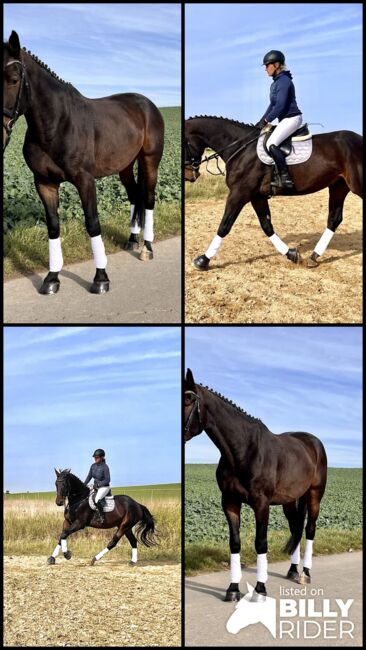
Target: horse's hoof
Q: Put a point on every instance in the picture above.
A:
(131, 246)
(293, 575)
(232, 596)
(93, 561)
(304, 579)
(146, 255)
(312, 261)
(294, 256)
(99, 287)
(132, 563)
(201, 263)
(258, 598)
(49, 288)
(51, 560)
(68, 555)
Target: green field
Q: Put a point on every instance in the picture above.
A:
(163, 492)
(339, 525)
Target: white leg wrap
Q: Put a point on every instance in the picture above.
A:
(134, 555)
(213, 248)
(308, 555)
(323, 242)
(279, 244)
(262, 575)
(100, 257)
(135, 229)
(56, 551)
(295, 557)
(55, 253)
(149, 225)
(103, 552)
(235, 568)
(64, 545)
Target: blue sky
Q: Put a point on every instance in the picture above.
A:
(103, 48)
(225, 45)
(69, 390)
(292, 378)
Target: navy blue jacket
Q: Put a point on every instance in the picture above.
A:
(282, 98)
(100, 473)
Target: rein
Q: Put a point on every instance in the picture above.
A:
(196, 407)
(14, 112)
(195, 164)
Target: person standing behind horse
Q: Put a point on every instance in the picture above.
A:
(99, 471)
(283, 106)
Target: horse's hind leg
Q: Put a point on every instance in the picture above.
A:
(337, 194)
(127, 179)
(290, 512)
(150, 165)
(114, 541)
(133, 541)
(313, 505)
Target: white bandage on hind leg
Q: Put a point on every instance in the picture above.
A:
(262, 575)
(56, 551)
(323, 242)
(308, 555)
(103, 552)
(100, 257)
(64, 545)
(235, 568)
(213, 248)
(135, 229)
(134, 555)
(149, 225)
(55, 253)
(295, 557)
(279, 244)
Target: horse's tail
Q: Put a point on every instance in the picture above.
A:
(298, 526)
(145, 529)
(138, 217)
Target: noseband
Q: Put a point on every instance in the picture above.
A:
(14, 112)
(196, 407)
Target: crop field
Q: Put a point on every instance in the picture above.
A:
(339, 525)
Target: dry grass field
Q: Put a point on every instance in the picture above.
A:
(250, 282)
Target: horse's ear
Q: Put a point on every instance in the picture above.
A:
(57, 473)
(14, 44)
(68, 471)
(189, 381)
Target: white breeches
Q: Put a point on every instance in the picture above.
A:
(287, 126)
(101, 493)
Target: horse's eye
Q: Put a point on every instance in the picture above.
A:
(14, 81)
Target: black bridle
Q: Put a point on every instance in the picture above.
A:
(14, 112)
(194, 162)
(195, 407)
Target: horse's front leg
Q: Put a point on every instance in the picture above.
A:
(85, 185)
(62, 542)
(232, 513)
(49, 195)
(261, 511)
(236, 200)
(261, 207)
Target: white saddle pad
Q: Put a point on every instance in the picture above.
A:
(301, 152)
(107, 508)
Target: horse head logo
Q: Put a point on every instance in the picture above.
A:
(248, 613)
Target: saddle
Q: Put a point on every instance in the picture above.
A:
(302, 133)
(107, 502)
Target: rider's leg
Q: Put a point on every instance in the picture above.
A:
(98, 497)
(286, 127)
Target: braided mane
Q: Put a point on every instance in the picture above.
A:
(246, 415)
(45, 67)
(224, 119)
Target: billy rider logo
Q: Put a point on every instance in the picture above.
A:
(300, 618)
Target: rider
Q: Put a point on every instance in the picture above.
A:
(99, 471)
(283, 106)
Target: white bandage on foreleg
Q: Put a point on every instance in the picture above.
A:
(295, 557)
(308, 555)
(149, 225)
(134, 555)
(55, 253)
(103, 552)
(64, 545)
(279, 244)
(323, 242)
(100, 257)
(135, 229)
(56, 551)
(235, 568)
(213, 248)
(262, 575)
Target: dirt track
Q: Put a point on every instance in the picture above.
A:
(75, 604)
(249, 282)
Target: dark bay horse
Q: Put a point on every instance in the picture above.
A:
(335, 162)
(261, 469)
(76, 139)
(78, 514)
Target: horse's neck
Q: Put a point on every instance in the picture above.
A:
(219, 134)
(77, 490)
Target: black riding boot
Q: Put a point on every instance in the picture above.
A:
(281, 166)
(99, 512)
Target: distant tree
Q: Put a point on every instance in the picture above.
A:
(7, 492)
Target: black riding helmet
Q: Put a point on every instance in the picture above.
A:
(274, 56)
(99, 452)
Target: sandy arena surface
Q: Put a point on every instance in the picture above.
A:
(75, 604)
(250, 282)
